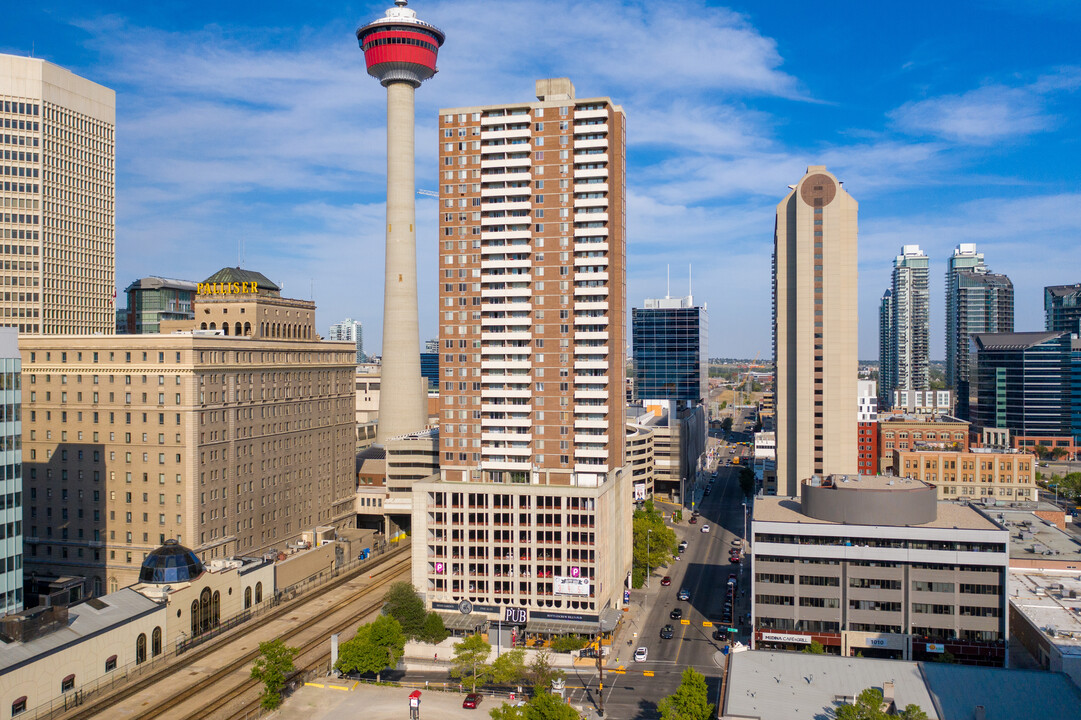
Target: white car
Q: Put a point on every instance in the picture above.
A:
(641, 654)
(705, 528)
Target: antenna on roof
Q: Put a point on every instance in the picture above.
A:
(668, 292)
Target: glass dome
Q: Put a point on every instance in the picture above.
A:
(171, 563)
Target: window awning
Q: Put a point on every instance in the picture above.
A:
(460, 622)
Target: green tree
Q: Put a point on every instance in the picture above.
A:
(1041, 451)
(690, 700)
(404, 605)
(912, 712)
(433, 631)
(746, 481)
(815, 648)
(1058, 453)
(508, 668)
(469, 660)
(568, 643)
(726, 424)
(1070, 486)
(653, 541)
(273, 665)
(541, 673)
(377, 646)
(868, 706)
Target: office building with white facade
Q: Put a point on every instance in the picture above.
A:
(349, 330)
(57, 199)
(905, 330)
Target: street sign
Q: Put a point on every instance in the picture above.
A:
(732, 630)
(684, 621)
(707, 623)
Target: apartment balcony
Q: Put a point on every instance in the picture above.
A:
(487, 393)
(591, 452)
(491, 278)
(591, 306)
(587, 276)
(492, 134)
(590, 394)
(590, 232)
(580, 320)
(506, 235)
(590, 247)
(593, 290)
(511, 175)
(486, 264)
(589, 217)
(495, 365)
(591, 187)
(590, 364)
(504, 163)
(595, 350)
(507, 205)
(587, 424)
(489, 464)
(518, 422)
(507, 437)
(518, 191)
(506, 307)
(591, 114)
(584, 262)
(591, 129)
(601, 439)
(506, 220)
(523, 379)
(591, 202)
(591, 173)
(509, 336)
(591, 144)
(591, 379)
(590, 409)
(492, 407)
(515, 453)
(589, 468)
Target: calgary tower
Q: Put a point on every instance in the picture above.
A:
(400, 51)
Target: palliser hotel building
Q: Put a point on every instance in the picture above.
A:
(878, 566)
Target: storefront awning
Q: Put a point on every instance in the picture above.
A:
(463, 623)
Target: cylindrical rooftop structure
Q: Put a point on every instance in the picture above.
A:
(400, 48)
(869, 500)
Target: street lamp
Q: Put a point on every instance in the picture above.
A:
(649, 532)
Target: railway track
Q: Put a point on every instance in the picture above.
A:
(104, 703)
(212, 703)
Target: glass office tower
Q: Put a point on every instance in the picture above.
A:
(670, 350)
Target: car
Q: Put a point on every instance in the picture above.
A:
(719, 635)
(676, 614)
(667, 632)
(693, 520)
(737, 543)
(731, 578)
(682, 545)
(734, 559)
(641, 654)
(472, 700)
(705, 528)
(683, 594)
(666, 581)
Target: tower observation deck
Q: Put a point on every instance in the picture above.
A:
(400, 51)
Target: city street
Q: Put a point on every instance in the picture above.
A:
(703, 570)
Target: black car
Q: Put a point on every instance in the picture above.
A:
(676, 614)
(666, 632)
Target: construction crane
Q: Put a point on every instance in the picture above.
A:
(428, 193)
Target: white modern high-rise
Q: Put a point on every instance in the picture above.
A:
(907, 328)
(532, 324)
(57, 199)
(977, 301)
(349, 330)
(815, 329)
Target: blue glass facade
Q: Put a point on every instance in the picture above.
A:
(11, 474)
(429, 368)
(670, 353)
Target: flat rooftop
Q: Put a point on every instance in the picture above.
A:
(950, 515)
(1044, 598)
(1033, 538)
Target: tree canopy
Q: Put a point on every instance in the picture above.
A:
(403, 603)
(868, 706)
(272, 667)
(468, 663)
(690, 701)
(654, 542)
(543, 706)
(377, 646)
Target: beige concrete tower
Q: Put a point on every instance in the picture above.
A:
(815, 330)
(400, 51)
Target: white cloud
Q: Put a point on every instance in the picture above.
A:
(990, 113)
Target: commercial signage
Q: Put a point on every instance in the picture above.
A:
(518, 616)
(639, 491)
(565, 617)
(571, 585)
(243, 288)
(785, 638)
(936, 648)
(877, 642)
(473, 608)
(439, 568)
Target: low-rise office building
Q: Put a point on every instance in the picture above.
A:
(1045, 615)
(980, 473)
(878, 566)
(640, 460)
(905, 431)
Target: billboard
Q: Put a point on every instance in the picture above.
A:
(571, 585)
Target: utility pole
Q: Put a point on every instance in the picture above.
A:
(600, 666)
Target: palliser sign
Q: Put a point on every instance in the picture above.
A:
(236, 288)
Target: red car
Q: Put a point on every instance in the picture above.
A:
(693, 520)
(471, 701)
(666, 581)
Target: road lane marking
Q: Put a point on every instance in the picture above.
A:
(647, 673)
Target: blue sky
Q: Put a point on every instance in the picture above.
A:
(948, 121)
